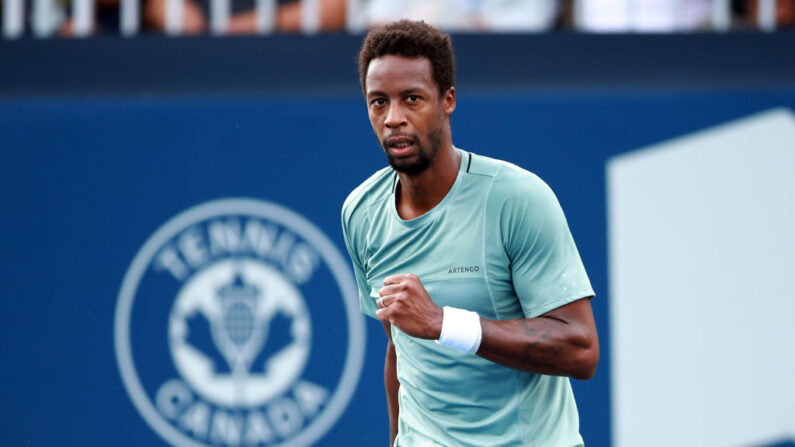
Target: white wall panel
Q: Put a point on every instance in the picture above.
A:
(702, 278)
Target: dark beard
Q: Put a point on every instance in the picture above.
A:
(425, 158)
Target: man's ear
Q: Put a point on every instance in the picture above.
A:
(448, 101)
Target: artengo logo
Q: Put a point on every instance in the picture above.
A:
(237, 323)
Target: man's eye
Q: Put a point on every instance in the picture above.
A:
(413, 98)
(377, 102)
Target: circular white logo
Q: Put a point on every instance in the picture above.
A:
(237, 324)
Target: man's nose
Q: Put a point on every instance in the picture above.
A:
(395, 116)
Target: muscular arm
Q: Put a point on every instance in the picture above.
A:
(562, 342)
(391, 384)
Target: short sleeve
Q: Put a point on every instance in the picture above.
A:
(354, 236)
(546, 269)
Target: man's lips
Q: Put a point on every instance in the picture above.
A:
(400, 145)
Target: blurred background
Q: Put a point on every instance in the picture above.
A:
(131, 129)
(47, 18)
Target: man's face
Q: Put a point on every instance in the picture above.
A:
(405, 110)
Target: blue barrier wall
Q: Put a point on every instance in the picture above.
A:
(86, 181)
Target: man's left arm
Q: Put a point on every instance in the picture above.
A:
(561, 342)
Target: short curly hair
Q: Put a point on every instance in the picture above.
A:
(411, 39)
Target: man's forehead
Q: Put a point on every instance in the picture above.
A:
(391, 71)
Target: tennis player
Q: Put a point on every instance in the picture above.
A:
(468, 262)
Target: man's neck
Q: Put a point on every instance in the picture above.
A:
(419, 193)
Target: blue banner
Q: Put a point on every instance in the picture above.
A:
(117, 212)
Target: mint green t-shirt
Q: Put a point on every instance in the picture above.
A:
(497, 244)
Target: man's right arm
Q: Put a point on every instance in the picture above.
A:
(391, 384)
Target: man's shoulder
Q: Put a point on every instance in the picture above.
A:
(509, 179)
(375, 188)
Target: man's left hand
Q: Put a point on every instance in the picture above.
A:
(405, 303)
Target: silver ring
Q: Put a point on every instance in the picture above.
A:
(381, 302)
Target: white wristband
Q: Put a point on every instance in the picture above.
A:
(460, 330)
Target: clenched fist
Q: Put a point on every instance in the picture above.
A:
(405, 303)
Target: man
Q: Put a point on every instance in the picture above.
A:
(469, 264)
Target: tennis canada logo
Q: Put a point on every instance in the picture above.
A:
(237, 324)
